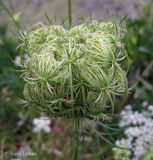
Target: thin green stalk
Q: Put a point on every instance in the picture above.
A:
(71, 82)
(75, 139)
(84, 98)
(70, 13)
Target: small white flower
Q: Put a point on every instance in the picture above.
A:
(150, 108)
(17, 60)
(23, 118)
(145, 104)
(42, 124)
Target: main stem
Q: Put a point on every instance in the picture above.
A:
(70, 13)
(75, 140)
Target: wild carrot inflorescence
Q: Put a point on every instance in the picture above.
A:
(76, 73)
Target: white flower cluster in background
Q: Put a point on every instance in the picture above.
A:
(138, 130)
(41, 124)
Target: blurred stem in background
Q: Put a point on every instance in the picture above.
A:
(14, 16)
(70, 13)
(2, 149)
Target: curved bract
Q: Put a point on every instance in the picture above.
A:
(75, 73)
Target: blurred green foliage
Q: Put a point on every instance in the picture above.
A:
(140, 37)
(10, 85)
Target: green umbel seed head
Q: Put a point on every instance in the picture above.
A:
(75, 73)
